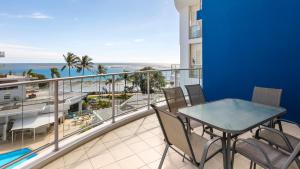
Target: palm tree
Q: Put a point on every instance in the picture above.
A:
(85, 62)
(109, 83)
(10, 72)
(125, 76)
(71, 61)
(28, 73)
(100, 70)
(54, 72)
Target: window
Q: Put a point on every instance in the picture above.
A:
(195, 25)
(9, 88)
(195, 59)
(6, 96)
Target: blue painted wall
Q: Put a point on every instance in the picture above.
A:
(252, 42)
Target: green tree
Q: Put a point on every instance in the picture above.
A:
(85, 63)
(71, 61)
(54, 72)
(157, 80)
(100, 70)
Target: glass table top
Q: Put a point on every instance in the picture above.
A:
(232, 115)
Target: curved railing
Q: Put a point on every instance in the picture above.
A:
(195, 31)
(50, 111)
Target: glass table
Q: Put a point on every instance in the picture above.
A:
(232, 117)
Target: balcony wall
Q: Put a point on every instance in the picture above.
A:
(252, 42)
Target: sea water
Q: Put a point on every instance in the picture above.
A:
(44, 68)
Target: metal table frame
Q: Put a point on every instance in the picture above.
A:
(229, 134)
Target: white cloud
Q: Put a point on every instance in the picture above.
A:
(118, 43)
(34, 15)
(139, 40)
(108, 44)
(38, 15)
(24, 53)
(124, 43)
(17, 46)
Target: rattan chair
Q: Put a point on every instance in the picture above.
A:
(175, 100)
(196, 95)
(198, 148)
(265, 155)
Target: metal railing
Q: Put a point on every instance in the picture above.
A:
(195, 31)
(58, 97)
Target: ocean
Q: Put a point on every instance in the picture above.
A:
(44, 68)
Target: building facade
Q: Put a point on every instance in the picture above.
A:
(14, 93)
(190, 38)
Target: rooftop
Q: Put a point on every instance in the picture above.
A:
(13, 77)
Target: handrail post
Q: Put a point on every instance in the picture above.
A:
(113, 98)
(148, 89)
(55, 85)
(176, 78)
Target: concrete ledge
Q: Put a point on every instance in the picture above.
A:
(46, 158)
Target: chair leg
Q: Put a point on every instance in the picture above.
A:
(254, 166)
(183, 157)
(297, 162)
(280, 126)
(163, 157)
(212, 131)
(232, 158)
(251, 163)
(201, 166)
(224, 150)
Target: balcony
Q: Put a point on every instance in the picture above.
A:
(195, 31)
(50, 114)
(139, 144)
(78, 133)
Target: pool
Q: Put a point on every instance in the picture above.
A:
(10, 156)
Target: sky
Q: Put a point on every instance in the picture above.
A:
(109, 31)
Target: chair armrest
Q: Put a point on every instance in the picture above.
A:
(292, 157)
(277, 132)
(256, 146)
(206, 148)
(287, 121)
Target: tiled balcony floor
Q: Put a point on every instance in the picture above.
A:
(138, 145)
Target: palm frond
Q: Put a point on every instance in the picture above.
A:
(63, 68)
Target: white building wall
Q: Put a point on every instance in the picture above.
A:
(15, 94)
(183, 7)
